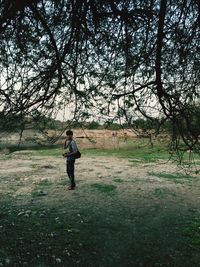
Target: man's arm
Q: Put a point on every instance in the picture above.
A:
(65, 144)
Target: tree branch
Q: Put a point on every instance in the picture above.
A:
(117, 96)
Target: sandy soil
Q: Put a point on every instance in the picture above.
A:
(21, 173)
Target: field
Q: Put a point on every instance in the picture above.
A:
(132, 207)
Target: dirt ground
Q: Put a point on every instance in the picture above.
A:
(134, 217)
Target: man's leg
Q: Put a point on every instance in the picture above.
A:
(67, 169)
(70, 172)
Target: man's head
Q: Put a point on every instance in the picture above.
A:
(69, 134)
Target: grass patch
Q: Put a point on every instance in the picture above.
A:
(136, 150)
(175, 177)
(139, 151)
(50, 237)
(48, 152)
(144, 154)
(104, 188)
(62, 181)
(193, 232)
(27, 146)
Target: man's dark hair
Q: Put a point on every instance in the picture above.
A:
(69, 132)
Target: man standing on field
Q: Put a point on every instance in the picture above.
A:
(70, 144)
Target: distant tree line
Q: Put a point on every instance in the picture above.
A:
(20, 122)
(42, 123)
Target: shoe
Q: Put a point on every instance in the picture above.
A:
(71, 187)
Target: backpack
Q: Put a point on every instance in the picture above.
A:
(77, 155)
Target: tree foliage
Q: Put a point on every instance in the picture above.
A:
(109, 58)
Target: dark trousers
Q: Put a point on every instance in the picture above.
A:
(70, 172)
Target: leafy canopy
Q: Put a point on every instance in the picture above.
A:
(110, 58)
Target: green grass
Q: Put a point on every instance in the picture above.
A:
(48, 152)
(62, 181)
(139, 151)
(27, 146)
(136, 150)
(104, 188)
(175, 177)
(38, 192)
(93, 232)
(192, 230)
(45, 236)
